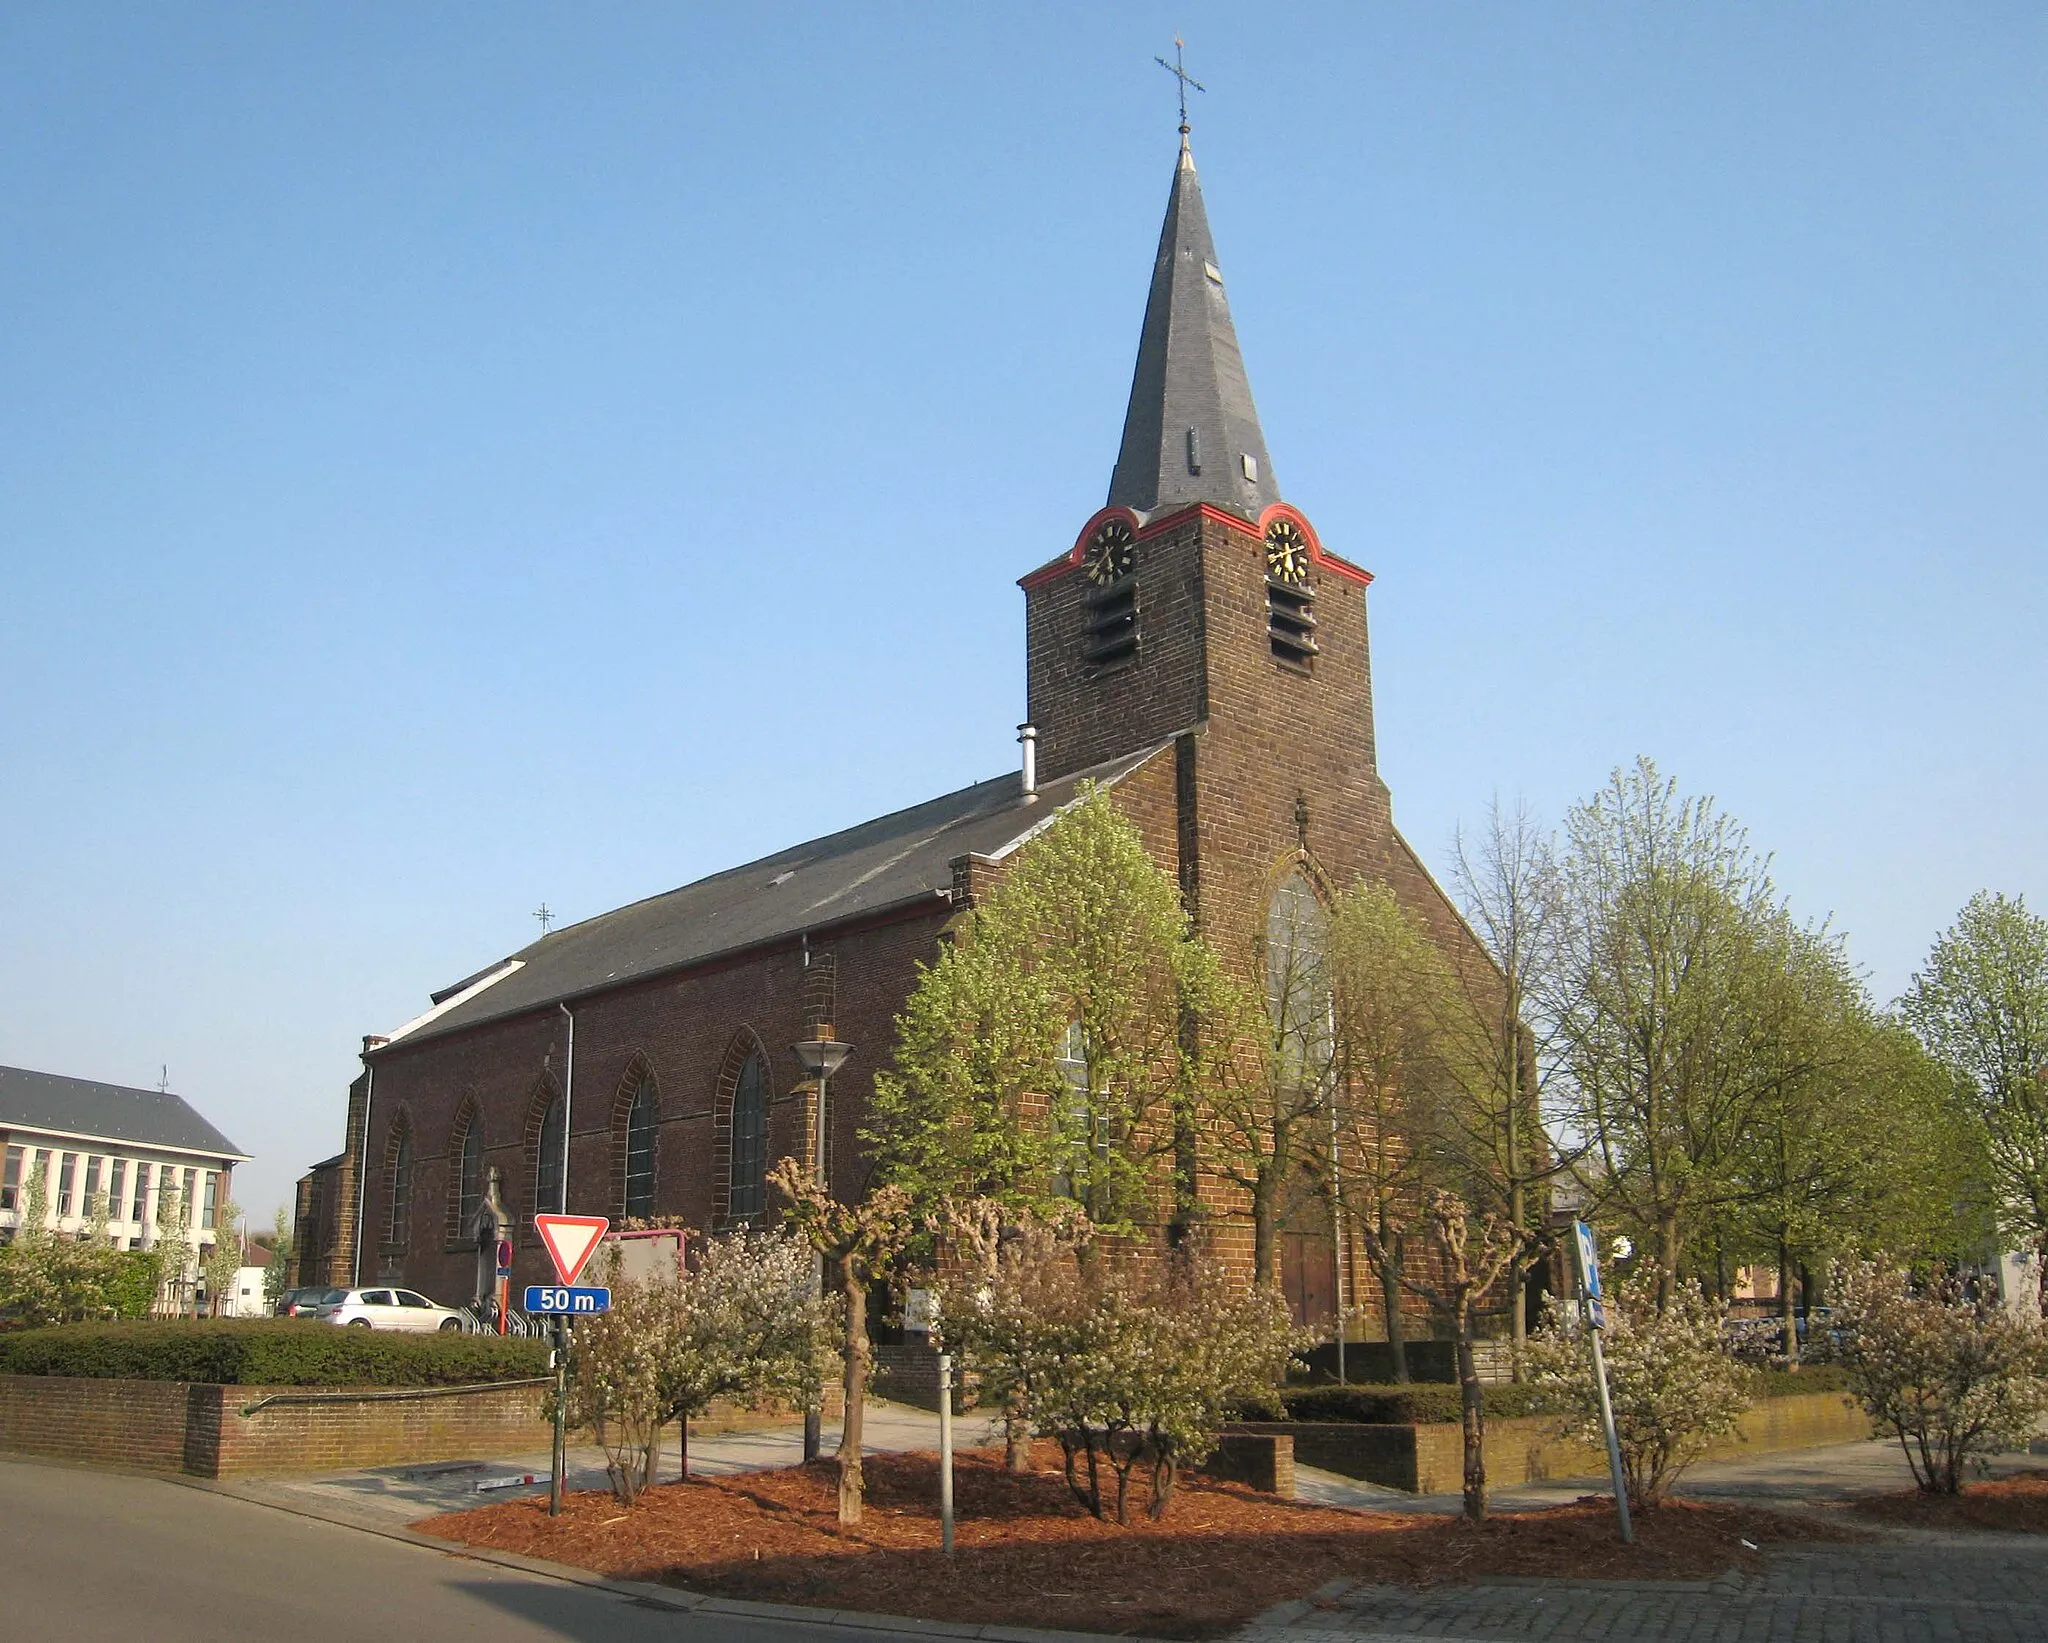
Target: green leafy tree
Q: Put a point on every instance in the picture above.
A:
(1980, 1005)
(1044, 1054)
(277, 1274)
(1390, 991)
(220, 1260)
(1498, 1133)
(1661, 996)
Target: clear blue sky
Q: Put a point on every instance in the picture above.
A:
(453, 457)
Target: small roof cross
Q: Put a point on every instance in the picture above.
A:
(1179, 71)
(546, 917)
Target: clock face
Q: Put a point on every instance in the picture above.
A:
(1286, 552)
(1112, 551)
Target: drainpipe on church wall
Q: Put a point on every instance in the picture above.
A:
(568, 1104)
(371, 1041)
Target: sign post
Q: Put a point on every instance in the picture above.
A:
(569, 1241)
(1596, 1321)
(504, 1267)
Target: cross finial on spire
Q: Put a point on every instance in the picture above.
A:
(546, 916)
(1179, 71)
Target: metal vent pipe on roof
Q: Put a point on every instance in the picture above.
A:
(1027, 736)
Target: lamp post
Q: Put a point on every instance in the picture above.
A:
(821, 1057)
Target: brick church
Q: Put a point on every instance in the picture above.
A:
(1197, 651)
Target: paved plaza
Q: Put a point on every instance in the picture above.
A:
(1904, 1586)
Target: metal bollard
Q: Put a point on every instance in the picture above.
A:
(946, 1451)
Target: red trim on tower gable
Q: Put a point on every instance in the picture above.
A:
(1318, 555)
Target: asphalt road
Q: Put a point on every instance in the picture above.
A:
(89, 1556)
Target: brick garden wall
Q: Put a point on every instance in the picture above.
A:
(175, 1426)
(1430, 1459)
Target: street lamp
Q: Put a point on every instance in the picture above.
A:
(821, 1057)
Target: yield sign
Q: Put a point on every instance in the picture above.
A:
(569, 1240)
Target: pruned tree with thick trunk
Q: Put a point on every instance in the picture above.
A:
(861, 1242)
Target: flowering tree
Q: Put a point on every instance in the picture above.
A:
(49, 1277)
(1954, 1377)
(741, 1324)
(861, 1243)
(1674, 1386)
(1130, 1360)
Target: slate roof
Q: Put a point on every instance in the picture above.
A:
(890, 862)
(109, 1112)
(1190, 376)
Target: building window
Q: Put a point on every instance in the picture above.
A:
(139, 1213)
(211, 1207)
(547, 1165)
(10, 1180)
(1077, 1118)
(90, 1203)
(469, 1176)
(67, 1171)
(185, 1198)
(117, 1189)
(1297, 982)
(401, 1188)
(750, 1140)
(640, 1152)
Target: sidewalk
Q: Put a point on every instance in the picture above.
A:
(1904, 1587)
(390, 1496)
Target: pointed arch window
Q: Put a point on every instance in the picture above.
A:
(401, 1188)
(1297, 980)
(1077, 1117)
(639, 1194)
(469, 1175)
(547, 1164)
(749, 1174)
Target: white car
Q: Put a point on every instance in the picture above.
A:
(383, 1309)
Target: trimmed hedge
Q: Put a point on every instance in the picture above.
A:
(1424, 1403)
(259, 1352)
(1785, 1383)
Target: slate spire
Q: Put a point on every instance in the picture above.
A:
(1191, 433)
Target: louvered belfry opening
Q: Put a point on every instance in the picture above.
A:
(1291, 621)
(1113, 623)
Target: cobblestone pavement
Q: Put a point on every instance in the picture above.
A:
(1919, 1589)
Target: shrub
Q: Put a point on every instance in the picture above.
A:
(1675, 1387)
(1955, 1378)
(742, 1323)
(255, 1352)
(1127, 1360)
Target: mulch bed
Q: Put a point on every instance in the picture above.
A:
(2017, 1504)
(1029, 1555)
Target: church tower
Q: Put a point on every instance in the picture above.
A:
(1198, 607)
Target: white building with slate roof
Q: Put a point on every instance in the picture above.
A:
(132, 1145)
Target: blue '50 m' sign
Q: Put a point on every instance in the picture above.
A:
(548, 1298)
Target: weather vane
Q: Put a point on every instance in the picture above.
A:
(546, 917)
(1179, 71)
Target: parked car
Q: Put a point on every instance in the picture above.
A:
(384, 1309)
(303, 1303)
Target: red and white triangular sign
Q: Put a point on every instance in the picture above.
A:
(570, 1239)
